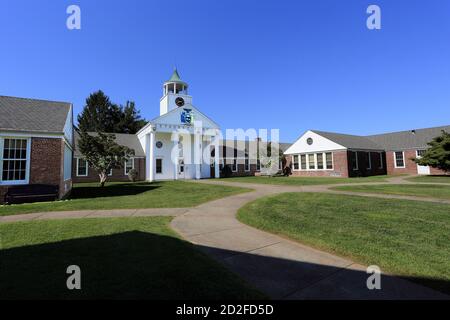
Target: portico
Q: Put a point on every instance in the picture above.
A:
(178, 144)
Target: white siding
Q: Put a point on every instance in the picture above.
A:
(67, 162)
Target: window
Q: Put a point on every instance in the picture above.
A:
(354, 160)
(234, 165)
(399, 159)
(381, 160)
(320, 161)
(369, 161)
(110, 173)
(258, 165)
(420, 153)
(82, 167)
(329, 160)
(159, 166)
(247, 162)
(14, 159)
(295, 162)
(129, 165)
(303, 162)
(311, 162)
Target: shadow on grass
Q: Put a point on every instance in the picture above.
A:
(139, 265)
(115, 190)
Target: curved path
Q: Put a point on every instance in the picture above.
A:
(279, 267)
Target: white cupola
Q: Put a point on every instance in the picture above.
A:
(175, 94)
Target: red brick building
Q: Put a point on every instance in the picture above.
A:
(319, 153)
(36, 144)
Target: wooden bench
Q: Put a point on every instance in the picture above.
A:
(31, 193)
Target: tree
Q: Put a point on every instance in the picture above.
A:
(131, 121)
(103, 153)
(101, 115)
(438, 155)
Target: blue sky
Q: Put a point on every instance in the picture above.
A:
(293, 65)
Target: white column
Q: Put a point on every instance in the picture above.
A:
(152, 156)
(216, 157)
(197, 153)
(176, 158)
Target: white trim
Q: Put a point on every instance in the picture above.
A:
(125, 166)
(87, 168)
(27, 165)
(395, 160)
(316, 166)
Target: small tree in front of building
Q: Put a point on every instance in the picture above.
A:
(438, 155)
(103, 153)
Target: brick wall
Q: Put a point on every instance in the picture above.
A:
(363, 164)
(340, 167)
(117, 176)
(410, 165)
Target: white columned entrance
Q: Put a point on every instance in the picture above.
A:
(151, 155)
(177, 155)
(197, 152)
(216, 157)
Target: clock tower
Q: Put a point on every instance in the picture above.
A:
(175, 94)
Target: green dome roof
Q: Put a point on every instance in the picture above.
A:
(176, 78)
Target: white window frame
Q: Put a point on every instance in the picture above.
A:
(357, 162)
(332, 161)
(258, 165)
(308, 162)
(110, 173)
(87, 168)
(125, 166)
(162, 167)
(234, 165)
(395, 160)
(298, 162)
(317, 161)
(246, 162)
(381, 160)
(369, 165)
(27, 166)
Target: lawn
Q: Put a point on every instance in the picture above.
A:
(419, 190)
(304, 181)
(407, 238)
(168, 194)
(430, 179)
(119, 258)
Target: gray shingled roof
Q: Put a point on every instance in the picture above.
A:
(350, 141)
(412, 139)
(31, 115)
(128, 140)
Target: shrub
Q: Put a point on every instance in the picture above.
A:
(133, 175)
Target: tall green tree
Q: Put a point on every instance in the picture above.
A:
(131, 121)
(103, 153)
(438, 155)
(101, 115)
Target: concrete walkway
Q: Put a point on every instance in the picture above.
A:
(281, 268)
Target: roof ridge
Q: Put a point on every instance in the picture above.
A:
(43, 100)
(404, 131)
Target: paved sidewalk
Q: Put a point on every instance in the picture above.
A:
(281, 268)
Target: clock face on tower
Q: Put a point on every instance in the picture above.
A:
(179, 102)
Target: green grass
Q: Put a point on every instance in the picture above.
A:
(120, 258)
(304, 181)
(430, 179)
(169, 194)
(407, 238)
(419, 190)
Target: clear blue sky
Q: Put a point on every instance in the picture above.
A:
(292, 65)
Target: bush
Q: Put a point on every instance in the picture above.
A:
(133, 175)
(226, 171)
